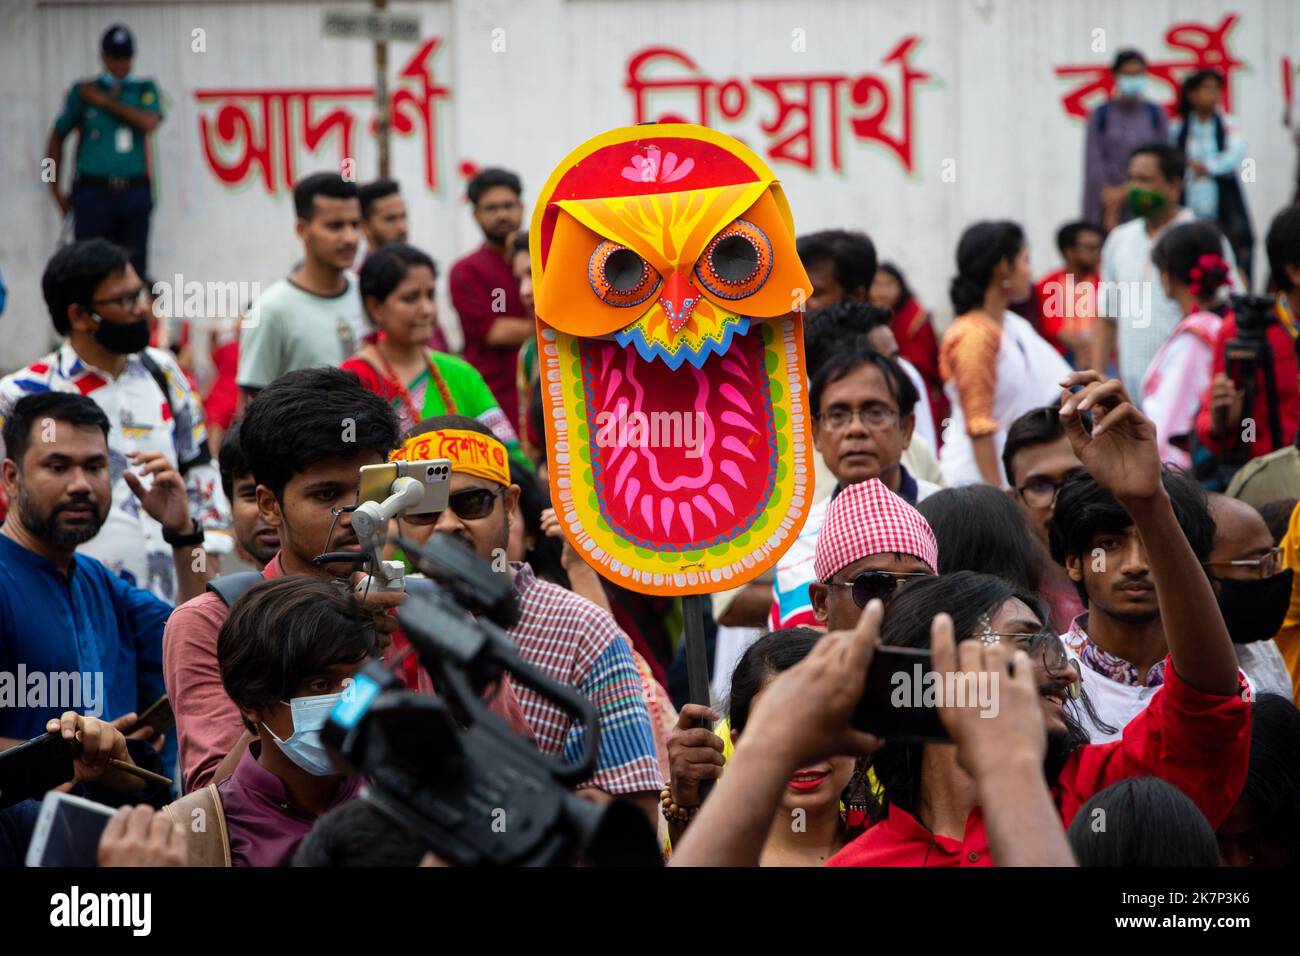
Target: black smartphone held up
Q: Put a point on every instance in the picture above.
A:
(33, 767)
(158, 717)
(893, 704)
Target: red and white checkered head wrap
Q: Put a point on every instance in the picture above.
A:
(867, 518)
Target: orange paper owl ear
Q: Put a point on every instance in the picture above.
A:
(629, 209)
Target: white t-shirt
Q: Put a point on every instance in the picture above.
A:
(1129, 295)
(290, 328)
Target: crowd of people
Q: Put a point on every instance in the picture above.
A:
(1085, 488)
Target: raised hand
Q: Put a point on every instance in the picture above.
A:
(804, 714)
(1121, 453)
(167, 500)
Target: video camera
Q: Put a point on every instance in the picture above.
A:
(1245, 356)
(447, 768)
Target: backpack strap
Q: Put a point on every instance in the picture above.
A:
(1153, 113)
(1103, 115)
(230, 587)
(207, 844)
(160, 379)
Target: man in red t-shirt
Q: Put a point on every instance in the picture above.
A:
(484, 292)
(1066, 300)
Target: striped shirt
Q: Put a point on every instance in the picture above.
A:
(576, 643)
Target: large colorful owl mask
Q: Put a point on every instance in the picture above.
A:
(671, 358)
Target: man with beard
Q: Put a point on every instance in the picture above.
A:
(1196, 732)
(313, 317)
(484, 291)
(66, 621)
(565, 636)
(96, 299)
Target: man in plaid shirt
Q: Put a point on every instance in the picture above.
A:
(565, 636)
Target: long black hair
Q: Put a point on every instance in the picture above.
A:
(905, 293)
(1181, 249)
(981, 247)
(979, 528)
(768, 656)
(1193, 83)
(967, 598)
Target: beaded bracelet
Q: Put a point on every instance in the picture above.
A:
(671, 811)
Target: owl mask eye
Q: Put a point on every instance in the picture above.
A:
(619, 276)
(737, 262)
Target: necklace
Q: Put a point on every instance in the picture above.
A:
(435, 376)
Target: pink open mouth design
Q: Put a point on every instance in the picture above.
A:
(686, 458)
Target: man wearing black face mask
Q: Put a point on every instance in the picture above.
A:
(97, 300)
(1253, 588)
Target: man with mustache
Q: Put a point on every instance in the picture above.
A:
(63, 613)
(314, 317)
(1120, 641)
(567, 637)
(485, 293)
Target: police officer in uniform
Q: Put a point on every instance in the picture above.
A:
(113, 113)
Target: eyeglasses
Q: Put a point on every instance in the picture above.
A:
(871, 416)
(1045, 646)
(1041, 492)
(882, 585)
(1265, 566)
(127, 300)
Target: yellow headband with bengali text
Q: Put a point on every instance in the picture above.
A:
(471, 453)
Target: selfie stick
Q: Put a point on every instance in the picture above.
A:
(370, 519)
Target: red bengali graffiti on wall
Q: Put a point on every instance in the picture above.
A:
(1201, 47)
(241, 129)
(873, 112)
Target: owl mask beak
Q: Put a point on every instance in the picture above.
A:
(678, 300)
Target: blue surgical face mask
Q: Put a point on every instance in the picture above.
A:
(112, 82)
(1131, 84)
(304, 745)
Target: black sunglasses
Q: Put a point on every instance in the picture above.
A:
(882, 585)
(473, 503)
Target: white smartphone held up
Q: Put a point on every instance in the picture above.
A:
(377, 481)
(68, 830)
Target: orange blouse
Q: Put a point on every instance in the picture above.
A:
(968, 357)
